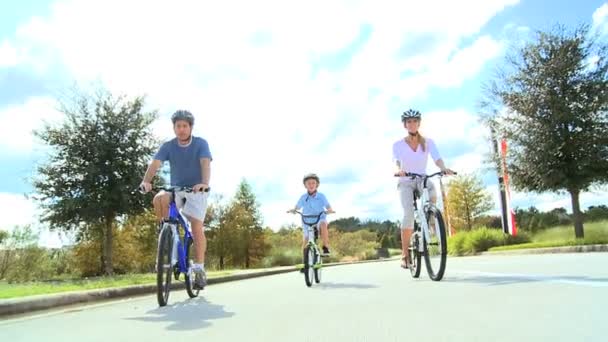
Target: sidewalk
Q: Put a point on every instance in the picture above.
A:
(552, 250)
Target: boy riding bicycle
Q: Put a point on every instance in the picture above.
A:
(313, 203)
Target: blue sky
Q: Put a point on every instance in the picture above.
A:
(278, 89)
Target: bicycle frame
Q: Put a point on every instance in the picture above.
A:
(312, 243)
(174, 221)
(420, 217)
(311, 230)
(422, 208)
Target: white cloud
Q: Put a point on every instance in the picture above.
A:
(17, 123)
(548, 201)
(8, 55)
(16, 209)
(266, 116)
(600, 18)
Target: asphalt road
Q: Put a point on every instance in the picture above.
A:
(559, 297)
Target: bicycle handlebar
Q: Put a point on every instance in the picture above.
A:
(316, 218)
(416, 175)
(172, 189)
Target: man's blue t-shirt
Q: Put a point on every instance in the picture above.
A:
(184, 161)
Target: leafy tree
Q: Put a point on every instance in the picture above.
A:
(467, 200)
(551, 103)
(222, 233)
(97, 156)
(3, 236)
(20, 237)
(596, 213)
(488, 221)
(249, 223)
(348, 224)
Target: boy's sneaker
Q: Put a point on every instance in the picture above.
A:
(326, 251)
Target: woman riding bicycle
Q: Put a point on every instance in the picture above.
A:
(410, 154)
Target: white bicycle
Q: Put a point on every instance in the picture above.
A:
(429, 237)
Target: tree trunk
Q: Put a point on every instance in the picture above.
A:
(221, 262)
(107, 248)
(576, 212)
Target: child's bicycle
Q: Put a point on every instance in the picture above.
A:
(174, 248)
(313, 262)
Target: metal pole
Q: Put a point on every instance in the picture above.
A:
(501, 185)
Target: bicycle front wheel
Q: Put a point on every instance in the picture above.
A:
(435, 250)
(164, 268)
(309, 257)
(189, 276)
(318, 264)
(414, 255)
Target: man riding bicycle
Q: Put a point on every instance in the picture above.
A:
(189, 159)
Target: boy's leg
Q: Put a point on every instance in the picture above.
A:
(304, 243)
(324, 233)
(324, 237)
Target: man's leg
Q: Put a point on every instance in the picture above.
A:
(200, 241)
(161, 205)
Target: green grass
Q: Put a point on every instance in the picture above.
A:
(480, 240)
(595, 233)
(394, 251)
(30, 289)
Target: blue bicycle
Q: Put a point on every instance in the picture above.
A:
(175, 243)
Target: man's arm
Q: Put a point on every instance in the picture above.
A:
(205, 170)
(146, 184)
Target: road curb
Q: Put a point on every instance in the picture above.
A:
(552, 250)
(17, 306)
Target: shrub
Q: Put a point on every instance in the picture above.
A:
(482, 239)
(31, 263)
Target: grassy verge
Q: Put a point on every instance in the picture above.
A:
(595, 233)
(480, 240)
(394, 251)
(29, 289)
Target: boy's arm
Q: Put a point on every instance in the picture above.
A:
(328, 207)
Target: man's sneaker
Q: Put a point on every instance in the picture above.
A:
(200, 278)
(326, 251)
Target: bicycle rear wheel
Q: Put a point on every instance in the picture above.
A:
(164, 270)
(435, 250)
(189, 276)
(414, 254)
(309, 257)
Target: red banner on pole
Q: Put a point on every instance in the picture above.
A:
(510, 212)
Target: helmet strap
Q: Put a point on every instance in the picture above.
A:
(412, 134)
